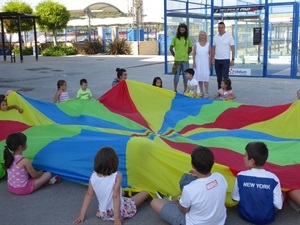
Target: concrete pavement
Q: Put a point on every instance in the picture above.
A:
(59, 204)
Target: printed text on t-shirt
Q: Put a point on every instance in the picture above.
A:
(260, 186)
(211, 185)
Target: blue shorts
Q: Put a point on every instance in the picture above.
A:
(171, 213)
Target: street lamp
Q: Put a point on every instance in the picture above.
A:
(89, 14)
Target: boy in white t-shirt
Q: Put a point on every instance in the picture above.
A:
(202, 201)
(193, 89)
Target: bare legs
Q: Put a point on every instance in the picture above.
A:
(39, 182)
(205, 84)
(206, 87)
(157, 204)
(140, 197)
(294, 195)
(201, 86)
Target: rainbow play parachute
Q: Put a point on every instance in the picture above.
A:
(153, 131)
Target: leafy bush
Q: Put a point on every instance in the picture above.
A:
(59, 50)
(119, 47)
(26, 50)
(93, 47)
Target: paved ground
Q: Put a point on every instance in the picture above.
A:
(59, 204)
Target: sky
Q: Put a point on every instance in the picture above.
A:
(151, 7)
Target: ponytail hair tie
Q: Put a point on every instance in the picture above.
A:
(6, 147)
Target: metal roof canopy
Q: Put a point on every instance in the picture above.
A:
(103, 7)
(97, 7)
(18, 16)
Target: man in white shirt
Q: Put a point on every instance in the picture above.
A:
(223, 43)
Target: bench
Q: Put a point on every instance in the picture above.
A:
(8, 52)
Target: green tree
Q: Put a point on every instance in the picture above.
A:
(53, 16)
(11, 26)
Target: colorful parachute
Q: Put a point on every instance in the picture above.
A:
(153, 131)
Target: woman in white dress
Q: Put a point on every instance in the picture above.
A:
(201, 62)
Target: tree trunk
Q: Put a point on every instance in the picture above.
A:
(54, 38)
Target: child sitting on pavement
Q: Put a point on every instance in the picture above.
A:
(192, 89)
(121, 75)
(22, 177)
(157, 82)
(61, 94)
(202, 200)
(5, 107)
(258, 191)
(84, 92)
(105, 182)
(225, 93)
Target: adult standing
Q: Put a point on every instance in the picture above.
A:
(201, 62)
(182, 45)
(223, 43)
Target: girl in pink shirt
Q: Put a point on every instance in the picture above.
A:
(22, 178)
(225, 93)
(62, 94)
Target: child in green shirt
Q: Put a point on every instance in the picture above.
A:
(84, 92)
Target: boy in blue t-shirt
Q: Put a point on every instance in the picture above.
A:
(258, 191)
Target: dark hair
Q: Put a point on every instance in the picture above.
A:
(2, 98)
(13, 141)
(202, 159)
(221, 23)
(106, 161)
(120, 72)
(257, 151)
(83, 81)
(60, 83)
(186, 33)
(190, 71)
(227, 82)
(155, 80)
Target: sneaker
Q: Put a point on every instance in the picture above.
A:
(162, 196)
(206, 96)
(54, 180)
